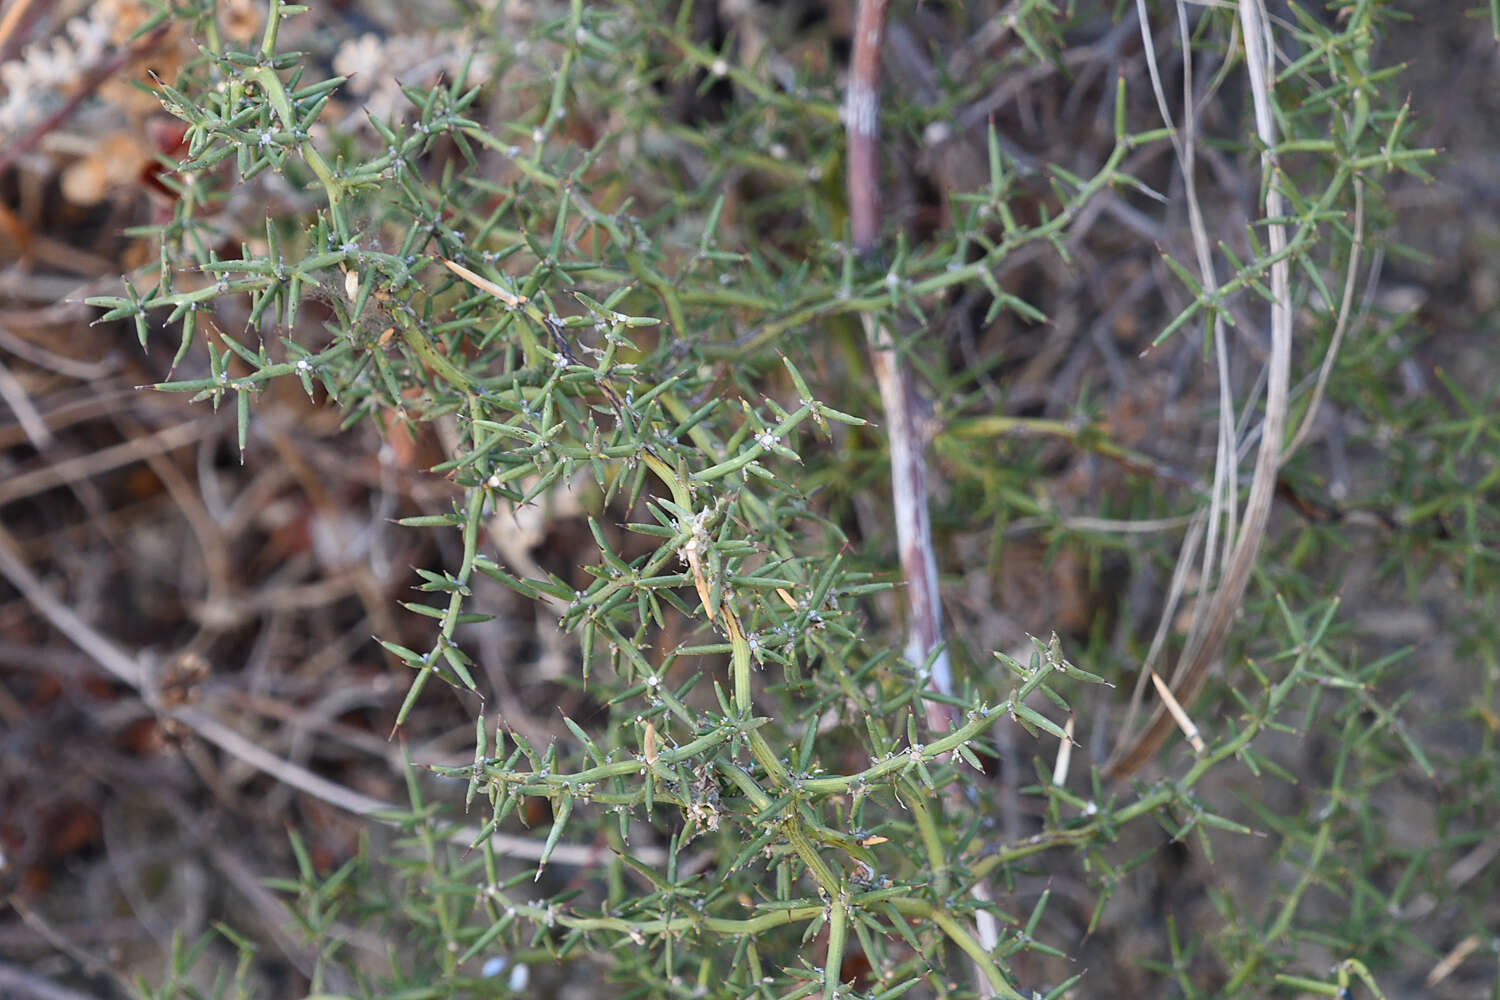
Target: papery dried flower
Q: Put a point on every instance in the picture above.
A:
(377, 67)
(360, 59)
(46, 72)
(51, 70)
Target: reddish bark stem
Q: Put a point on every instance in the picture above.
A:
(898, 391)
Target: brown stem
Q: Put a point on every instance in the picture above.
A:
(13, 24)
(861, 114)
(898, 391)
(899, 398)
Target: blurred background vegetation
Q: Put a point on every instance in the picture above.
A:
(206, 828)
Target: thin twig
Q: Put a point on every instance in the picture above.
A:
(898, 391)
(14, 14)
(1204, 647)
(898, 395)
(1356, 249)
(87, 371)
(130, 671)
(14, 394)
(1185, 146)
(20, 984)
(74, 470)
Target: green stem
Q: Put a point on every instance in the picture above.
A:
(931, 840)
(838, 930)
(959, 935)
(1284, 917)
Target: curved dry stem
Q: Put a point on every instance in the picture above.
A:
(1207, 640)
(129, 671)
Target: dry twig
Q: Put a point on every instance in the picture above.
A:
(898, 395)
(1206, 639)
(131, 672)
